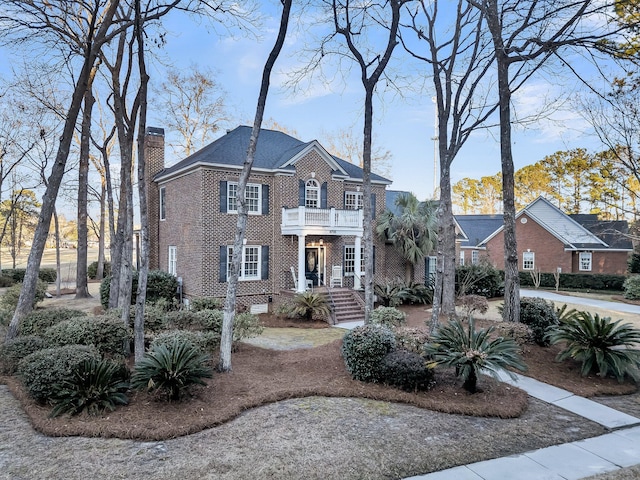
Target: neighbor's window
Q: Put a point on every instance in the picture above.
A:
(250, 264)
(585, 261)
(252, 193)
(528, 260)
(172, 266)
(312, 194)
(461, 257)
(162, 203)
(475, 257)
(352, 200)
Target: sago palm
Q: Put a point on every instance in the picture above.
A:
(600, 344)
(471, 352)
(310, 305)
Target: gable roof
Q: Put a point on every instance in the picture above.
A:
(573, 235)
(614, 233)
(477, 228)
(275, 152)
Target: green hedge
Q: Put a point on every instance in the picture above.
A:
(160, 285)
(17, 274)
(577, 281)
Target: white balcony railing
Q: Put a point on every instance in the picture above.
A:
(330, 220)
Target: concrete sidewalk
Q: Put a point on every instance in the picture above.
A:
(574, 460)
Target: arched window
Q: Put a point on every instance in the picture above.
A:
(312, 194)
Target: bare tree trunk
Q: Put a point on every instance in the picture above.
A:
(82, 289)
(138, 327)
(56, 224)
(367, 235)
(27, 294)
(226, 340)
(101, 232)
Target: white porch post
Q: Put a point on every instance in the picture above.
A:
(302, 280)
(357, 264)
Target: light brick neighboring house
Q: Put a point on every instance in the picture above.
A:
(548, 240)
(305, 215)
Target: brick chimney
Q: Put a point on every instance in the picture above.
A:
(154, 157)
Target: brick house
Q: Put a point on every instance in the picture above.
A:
(548, 240)
(305, 216)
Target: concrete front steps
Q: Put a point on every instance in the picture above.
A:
(347, 305)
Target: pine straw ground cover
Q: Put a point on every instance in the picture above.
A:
(261, 376)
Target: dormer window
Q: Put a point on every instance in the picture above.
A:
(312, 193)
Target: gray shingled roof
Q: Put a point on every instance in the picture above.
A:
(273, 150)
(614, 233)
(478, 227)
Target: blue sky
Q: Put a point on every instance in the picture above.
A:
(403, 124)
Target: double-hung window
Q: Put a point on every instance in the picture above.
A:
(585, 261)
(353, 200)
(350, 259)
(172, 266)
(250, 264)
(475, 257)
(253, 194)
(461, 257)
(162, 201)
(312, 194)
(528, 260)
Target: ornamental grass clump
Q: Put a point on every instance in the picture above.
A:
(94, 386)
(171, 371)
(472, 352)
(603, 346)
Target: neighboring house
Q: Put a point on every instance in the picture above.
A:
(305, 216)
(549, 240)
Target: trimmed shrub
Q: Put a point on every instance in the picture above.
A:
(518, 332)
(480, 279)
(576, 281)
(472, 352)
(10, 298)
(37, 321)
(172, 370)
(6, 315)
(107, 334)
(94, 386)
(632, 287)
(43, 372)
(14, 350)
(600, 344)
(47, 275)
(6, 281)
(406, 370)
(160, 285)
(92, 270)
(388, 316)
(540, 316)
(411, 339)
(363, 350)
(246, 325)
(205, 303)
(203, 341)
(155, 318)
(211, 320)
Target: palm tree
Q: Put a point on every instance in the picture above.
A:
(412, 230)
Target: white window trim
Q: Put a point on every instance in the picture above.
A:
(312, 185)
(475, 257)
(249, 185)
(533, 261)
(358, 202)
(348, 271)
(172, 265)
(162, 203)
(461, 261)
(242, 276)
(588, 255)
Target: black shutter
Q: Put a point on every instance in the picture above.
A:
(265, 263)
(323, 195)
(223, 196)
(223, 263)
(301, 193)
(344, 200)
(265, 199)
(373, 206)
(374, 260)
(344, 259)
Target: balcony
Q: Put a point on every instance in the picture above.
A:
(321, 221)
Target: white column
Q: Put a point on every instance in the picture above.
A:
(301, 278)
(357, 264)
